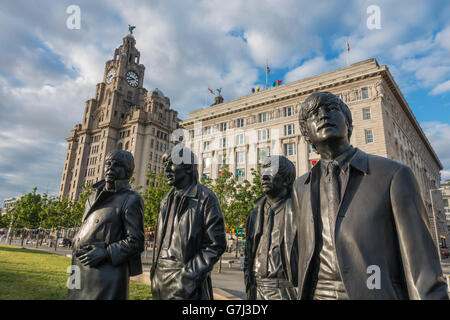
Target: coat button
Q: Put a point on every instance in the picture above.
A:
(96, 221)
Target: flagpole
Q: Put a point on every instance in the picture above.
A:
(347, 48)
(267, 63)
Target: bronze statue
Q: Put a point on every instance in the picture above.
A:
(271, 255)
(362, 224)
(190, 233)
(107, 247)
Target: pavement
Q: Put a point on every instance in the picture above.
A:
(228, 284)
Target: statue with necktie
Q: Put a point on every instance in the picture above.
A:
(363, 227)
(271, 255)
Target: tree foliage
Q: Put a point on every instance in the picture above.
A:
(236, 199)
(156, 191)
(35, 210)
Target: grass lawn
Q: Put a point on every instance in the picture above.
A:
(35, 275)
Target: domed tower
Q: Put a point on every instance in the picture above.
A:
(120, 116)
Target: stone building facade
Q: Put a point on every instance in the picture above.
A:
(445, 188)
(242, 131)
(122, 115)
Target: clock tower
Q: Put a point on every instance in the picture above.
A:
(123, 115)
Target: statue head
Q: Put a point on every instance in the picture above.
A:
(119, 165)
(277, 175)
(180, 166)
(324, 117)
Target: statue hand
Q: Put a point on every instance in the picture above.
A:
(95, 256)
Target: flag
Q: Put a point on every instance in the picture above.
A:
(253, 90)
(278, 82)
(219, 91)
(348, 46)
(257, 88)
(210, 90)
(267, 69)
(274, 84)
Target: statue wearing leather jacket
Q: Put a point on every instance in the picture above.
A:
(190, 233)
(271, 254)
(108, 244)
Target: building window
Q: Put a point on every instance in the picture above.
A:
(207, 131)
(263, 153)
(207, 146)
(222, 159)
(365, 93)
(287, 111)
(151, 143)
(263, 117)
(153, 131)
(263, 134)
(240, 175)
(366, 114)
(289, 129)
(310, 148)
(289, 149)
(239, 123)
(223, 143)
(223, 126)
(240, 139)
(369, 135)
(206, 163)
(240, 157)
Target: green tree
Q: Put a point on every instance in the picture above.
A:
(75, 214)
(225, 189)
(26, 212)
(156, 191)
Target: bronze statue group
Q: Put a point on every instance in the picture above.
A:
(316, 237)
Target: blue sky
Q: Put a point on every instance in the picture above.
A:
(48, 71)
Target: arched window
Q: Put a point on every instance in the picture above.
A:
(126, 145)
(120, 146)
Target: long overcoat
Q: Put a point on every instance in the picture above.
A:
(117, 221)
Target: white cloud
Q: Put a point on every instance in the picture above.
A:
(443, 87)
(439, 135)
(310, 68)
(47, 72)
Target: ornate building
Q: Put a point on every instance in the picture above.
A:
(123, 115)
(242, 131)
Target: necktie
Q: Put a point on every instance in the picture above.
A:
(332, 187)
(268, 225)
(170, 220)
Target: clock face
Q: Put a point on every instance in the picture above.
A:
(132, 79)
(110, 75)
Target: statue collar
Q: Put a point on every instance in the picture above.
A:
(118, 185)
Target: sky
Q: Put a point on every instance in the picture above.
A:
(48, 70)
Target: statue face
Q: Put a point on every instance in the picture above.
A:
(327, 122)
(272, 182)
(114, 170)
(176, 174)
